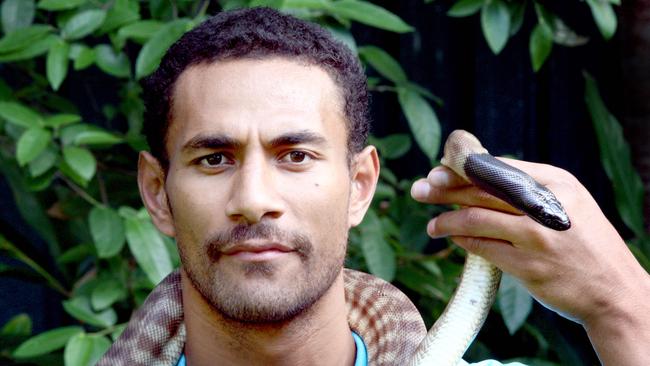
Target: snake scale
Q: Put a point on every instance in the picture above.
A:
(456, 328)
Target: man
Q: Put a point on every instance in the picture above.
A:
(258, 167)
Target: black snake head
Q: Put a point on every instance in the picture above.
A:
(549, 211)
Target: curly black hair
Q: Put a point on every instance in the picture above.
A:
(255, 33)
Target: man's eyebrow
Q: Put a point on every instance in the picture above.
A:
(212, 142)
(297, 138)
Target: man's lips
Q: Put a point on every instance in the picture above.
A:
(257, 251)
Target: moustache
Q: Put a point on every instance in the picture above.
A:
(226, 239)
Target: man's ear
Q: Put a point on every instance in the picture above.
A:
(151, 182)
(364, 172)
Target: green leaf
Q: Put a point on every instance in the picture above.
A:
(85, 350)
(83, 23)
(97, 138)
(392, 146)
(81, 161)
(70, 132)
(84, 57)
(127, 212)
(41, 182)
(604, 17)
(122, 12)
(112, 63)
(56, 5)
(432, 267)
(75, 254)
(384, 191)
(148, 248)
(422, 120)
(381, 61)
(32, 142)
(277, 4)
(119, 329)
(423, 92)
(60, 120)
(6, 92)
(517, 12)
(107, 230)
(420, 281)
(152, 51)
(17, 14)
(616, 159)
(378, 254)
(369, 14)
(19, 325)
(307, 4)
(79, 308)
(43, 162)
(386, 174)
(28, 206)
(107, 292)
(413, 234)
(33, 50)
(541, 43)
(140, 31)
(57, 63)
(22, 38)
(46, 342)
(162, 9)
(464, 8)
(495, 22)
(514, 302)
(20, 115)
(562, 34)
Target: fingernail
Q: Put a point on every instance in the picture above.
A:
(420, 189)
(438, 178)
(431, 229)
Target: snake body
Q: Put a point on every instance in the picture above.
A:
(456, 328)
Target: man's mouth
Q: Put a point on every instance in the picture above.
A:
(256, 252)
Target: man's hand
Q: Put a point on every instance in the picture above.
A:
(586, 273)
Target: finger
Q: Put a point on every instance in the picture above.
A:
(498, 252)
(422, 191)
(483, 223)
(443, 177)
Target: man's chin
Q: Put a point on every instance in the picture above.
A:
(259, 298)
(261, 301)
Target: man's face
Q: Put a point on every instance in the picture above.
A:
(258, 185)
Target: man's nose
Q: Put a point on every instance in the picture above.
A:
(254, 193)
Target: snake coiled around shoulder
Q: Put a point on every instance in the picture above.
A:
(456, 328)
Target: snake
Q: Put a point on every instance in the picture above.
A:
(462, 319)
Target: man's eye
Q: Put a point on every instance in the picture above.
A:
(213, 160)
(296, 157)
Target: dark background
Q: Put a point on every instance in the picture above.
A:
(540, 117)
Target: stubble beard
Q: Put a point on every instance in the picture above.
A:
(270, 299)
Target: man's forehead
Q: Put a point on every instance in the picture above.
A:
(277, 74)
(228, 97)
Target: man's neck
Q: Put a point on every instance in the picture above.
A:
(319, 336)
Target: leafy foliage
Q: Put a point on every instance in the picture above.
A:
(617, 162)
(70, 161)
(501, 20)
